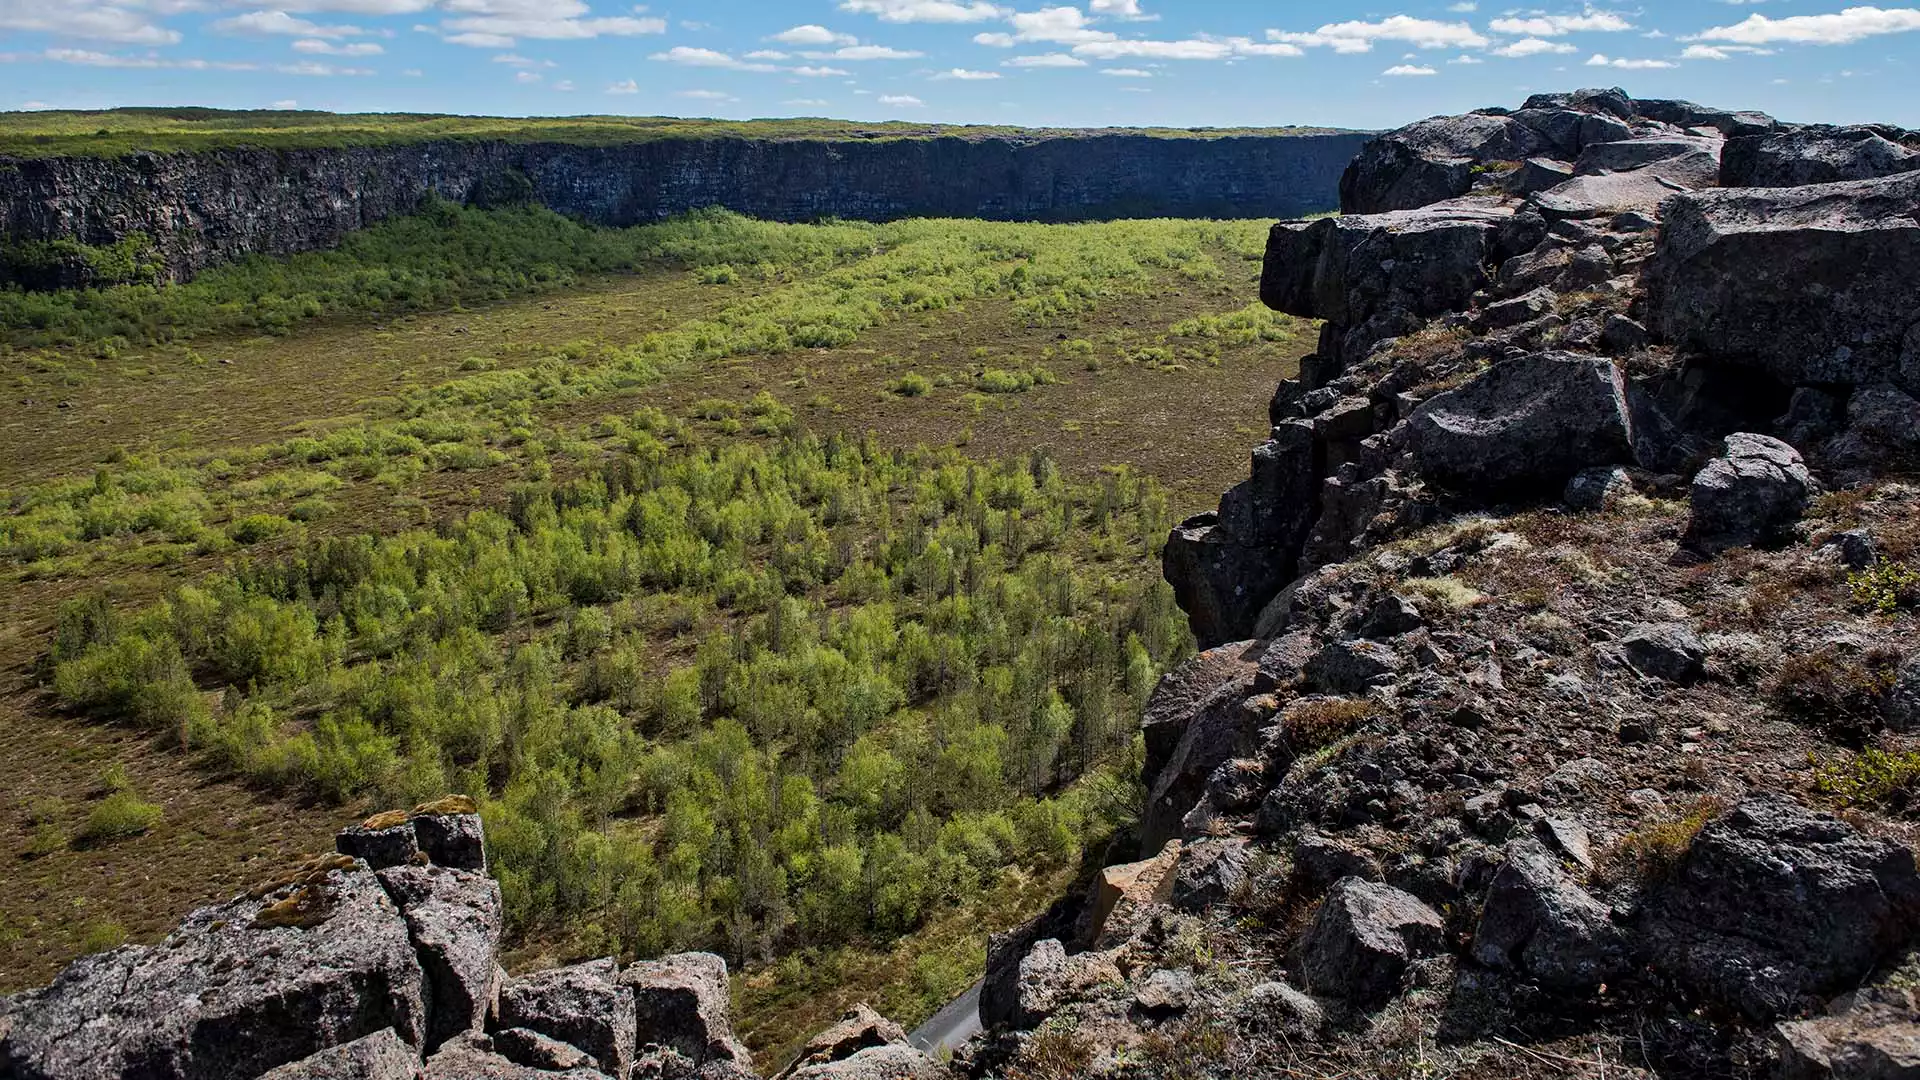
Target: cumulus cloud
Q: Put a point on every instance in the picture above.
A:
(806, 71)
(279, 22)
(624, 86)
(1358, 37)
(1191, 49)
(1587, 21)
(812, 35)
(901, 101)
(858, 53)
(1127, 73)
(327, 48)
(1840, 28)
(689, 56)
(964, 75)
(1406, 70)
(1603, 60)
(1045, 60)
(84, 20)
(1533, 46)
(925, 11)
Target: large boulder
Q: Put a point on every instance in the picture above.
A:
(1812, 284)
(1122, 893)
(1687, 115)
(1749, 494)
(1210, 680)
(1363, 939)
(1526, 424)
(1220, 582)
(683, 1002)
(1816, 154)
(454, 918)
(1540, 924)
(878, 1063)
(1347, 270)
(319, 958)
(1607, 194)
(1050, 979)
(1431, 161)
(380, 1056)
(860, 1029)
(474, 1057)
(1223, 728)
(1687, 155)
(583, 1005)
(1774, 903)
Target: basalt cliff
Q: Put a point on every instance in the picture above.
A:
(1559, 713)
(206, 207)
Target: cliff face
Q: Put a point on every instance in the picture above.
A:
(209, 207)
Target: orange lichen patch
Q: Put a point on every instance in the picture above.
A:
(310, 905)
(308, 872)
(388, 820)
(452, 804)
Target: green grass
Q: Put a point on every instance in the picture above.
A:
(113, 132)
(118, 816)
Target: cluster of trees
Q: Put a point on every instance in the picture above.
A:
(743, 696)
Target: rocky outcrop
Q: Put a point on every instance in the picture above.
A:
(335, 970)
(1818, 155)
(203, 208)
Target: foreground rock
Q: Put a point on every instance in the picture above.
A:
(1364, 938)
(682, 1002)
(1750, 494)
(1529, 423)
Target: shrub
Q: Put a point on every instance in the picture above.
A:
(1310, 725)
(1653, 851)
(1835, 689)
(102, 935)
(1886, 588)
(1870, 778)
(255, 528)
(119, 815)
(912, 384)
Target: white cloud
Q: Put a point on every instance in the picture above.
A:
(317, 47)
(690, 56)
(1533, 46)
(279, 22)
(84, 20)
(1359, 37)
(528, 78)
(286, 103)
(1045, 60)
(360, 7)
(807, 71)
(1840, 28)
(768, 54)
(812, 35)
(316, 69)
(624, 86)
(963, 75)
(1721, 52)
(1120, 9)
(807, 103)
(705, 95)
(1059, 25)
(1191, 49)
(1127, 73)
(496, 24)
(1556, 25)
(516, 60)
(865, 52)
(1465, 60)
(565, 86)
(901, 101)
(925, 11)
(90, 58)
(1603, 60)
(1403, 70)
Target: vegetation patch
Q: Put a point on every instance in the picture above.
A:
(1871, 778)
(1838, 690)
(1653, 851)
(1886, 589)
(118, 816)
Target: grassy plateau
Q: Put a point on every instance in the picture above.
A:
(789, 591)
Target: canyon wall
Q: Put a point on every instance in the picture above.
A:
(203, 208)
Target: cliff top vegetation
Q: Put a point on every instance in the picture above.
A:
(112, 132)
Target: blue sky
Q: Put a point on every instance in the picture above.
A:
(1097, 62)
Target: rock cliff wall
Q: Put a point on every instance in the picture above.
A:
(209, 207)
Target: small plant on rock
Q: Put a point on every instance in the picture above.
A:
(1870, 778)
(1886, 589)
(1836, 690)
(1653, 851)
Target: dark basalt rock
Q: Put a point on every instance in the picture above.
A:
(1527, 424)
(1431, 161)
(380, 1056)
(1749, 494)
(1423, 262)
(1362, 941)
(682, 1002)
(1814, 155)
(455, 919)
(1539, 923)
(582, 1005)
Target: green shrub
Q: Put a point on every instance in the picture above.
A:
(255, 528)
(1871, 777)
(1887, 588)
(118, 816)
(912, 384)
(102, 935)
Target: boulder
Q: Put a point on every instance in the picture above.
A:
(878, 1063)
(380, 841)
(1903, 700)
(1774, 903)
(472, 1057)
(1607, 100)
(1753, 491)
(1540, 924)
(1276, 1009)
(454, 918)
(1351, 667)
(583, 1005)
(450, 834)
(1621, 336)
(1431, 161)
(1876, 1037)
(382, 1055)
(1274, 507)
(1347, 270)
(1390, 616)
(1165, 993)
(1605, 195)
(1671, 652)
(1569, 131)
(1536, 174)
(1526, 424)
(1320, 861)
(1883, 429)
(860, 1029)
(684, 1002)
(1000, 989)
(1221, 729)
(1363, 939)
(1816, 154)
(1205, 682)
(1629, 154)
(1221, 583)
(665, 1063)
(1811, 284)
(523, 1046)
(319, 958)
(1212, 872)
(1122, 893)
(1524, 308)
(1050, 979)
(1685, 114)
(1598, 488)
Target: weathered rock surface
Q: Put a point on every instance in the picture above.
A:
(1775, 902)
(878, 1063)
(1539, 923)
(1876, 1038)
(1348, 269)
(1814, 155)
(238, 989)
(380, 1056)
(1363, 939)
(1527, 424)
(1669, 651)
(1756, 488)
(683, 1002)
(860, 1029)
(455, 919)
(583, 1005)
(1431, 161)
(472, 1057)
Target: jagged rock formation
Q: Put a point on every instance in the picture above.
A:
(209, 207)
(380, 963)
(1534, 669)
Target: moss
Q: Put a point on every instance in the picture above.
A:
(1653, 851)
(308, 906)
(383, 821)
(451, 804)
(312, 870)
(1311, 725)
(1448, 592)
(1870, 778)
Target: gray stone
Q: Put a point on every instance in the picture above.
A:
(582, 1005)
(1566, 836)
(1431, 161)
(455, 841)
(523, 1046)
(1883, 428)
(1812, 284)
(1221, 583)
(1320, 861)
(1524, 308)
(455, 919)
(1347, 270)
(1749, 494)
(684, 1002)
(1525, 424)
(471, 1057)
(878, 1063)
(1541, 267)
(1220, 729)
(1876, 1038)
(1000, 989)
(1598, 488)
(1536, 174)
(380, 1056)
(1212, 872)
(379, 844)
(860, 1029)
(1539, 923)
(236, 990)
(1569, 131)
(1607, 194)
(1165, 993)
(1206, 681)
(1050, 979)
(1812, 415)
(1685, 114)
(1276, 1009)
(1391, 616)
(1903, 701)
(1363, 939)
(1630, 154)
(1622, 336)
(1774, 903)
(1813, 155)
(1671, 652)
(1348, 667)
